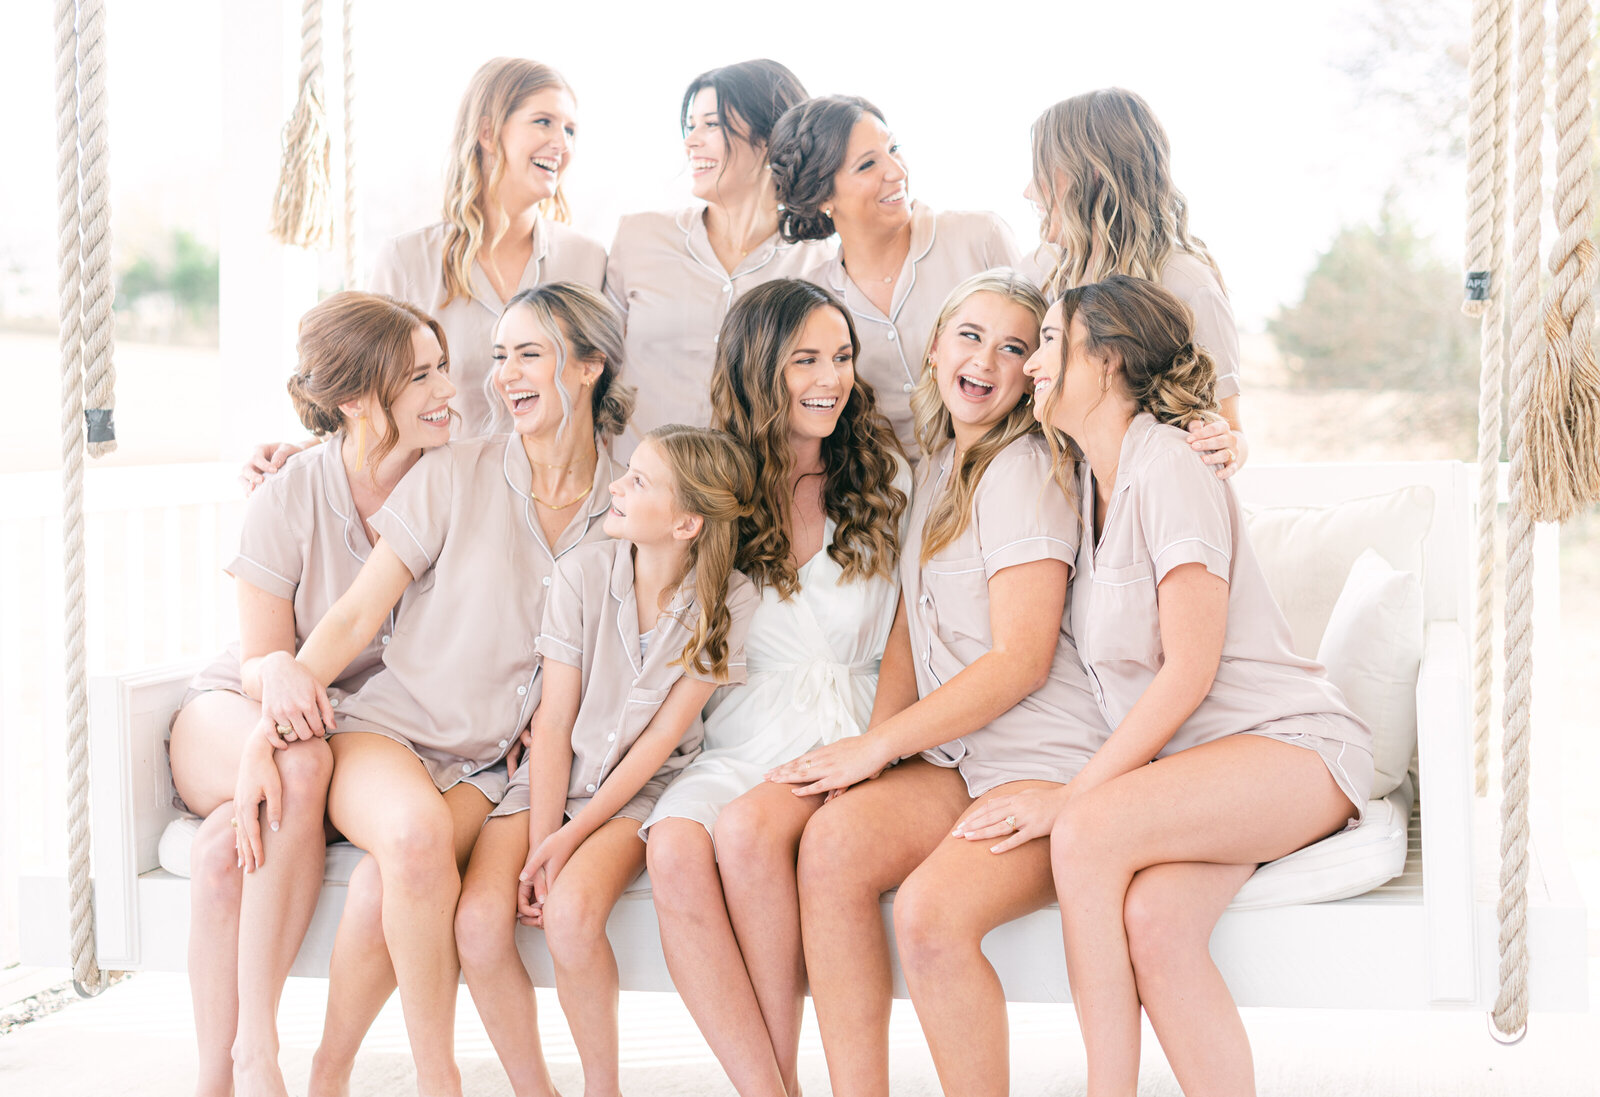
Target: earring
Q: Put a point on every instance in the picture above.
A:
(828, 213)
(361, 442)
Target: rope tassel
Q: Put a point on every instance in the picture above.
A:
(302, 211)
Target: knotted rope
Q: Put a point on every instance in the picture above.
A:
(84, 306)
(302, 211)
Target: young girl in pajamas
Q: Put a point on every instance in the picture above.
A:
(1256, 753)
(373, 376)
(1102, 183)
(637, 633)
(822, 545)
(982, 693)
(418, 750)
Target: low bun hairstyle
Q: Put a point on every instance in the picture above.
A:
(713, 476)
(353, 345)
(1152, 333)
(584, 325)
(751, 97)
(806, 152)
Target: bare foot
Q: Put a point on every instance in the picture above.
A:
(328, 1080)
(257, 1074)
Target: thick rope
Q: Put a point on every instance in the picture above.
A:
(85, 969)
(352, 236)
(99, 375)
(1563, 470)
(1489, 121)
(1527, 337)
(302, 212)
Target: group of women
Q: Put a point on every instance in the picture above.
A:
(909, 576)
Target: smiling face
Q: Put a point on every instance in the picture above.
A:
(978, 359)
(820, 374)
(526, 357)
(538, 141)
(421, 410)
(1077, 378)
(644, 503)
(1049, 216)
(869, 189)
(720, 163)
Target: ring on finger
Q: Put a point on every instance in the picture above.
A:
(285, 731)
(1011, 822)
(234, 822)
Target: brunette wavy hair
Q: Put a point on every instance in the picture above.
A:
(497, 89)
(952, 511)
(714, 477)
(354, 344)
(750, 400)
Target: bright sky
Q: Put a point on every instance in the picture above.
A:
(1272, 142)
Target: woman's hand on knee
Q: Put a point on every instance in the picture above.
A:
(834, 767)
(258, 783)
(544, 864)
(1015, 818)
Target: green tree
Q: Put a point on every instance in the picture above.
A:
(1380, 310)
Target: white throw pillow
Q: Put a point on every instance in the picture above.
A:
(1306, 552)
(1372, 649)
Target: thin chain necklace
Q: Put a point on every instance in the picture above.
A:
(560, 506)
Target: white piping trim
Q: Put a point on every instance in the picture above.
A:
(1188, 540)
(409, 534)
(257, 563)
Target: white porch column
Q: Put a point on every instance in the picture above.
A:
(265, 286)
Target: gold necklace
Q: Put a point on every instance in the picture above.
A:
(560, 506)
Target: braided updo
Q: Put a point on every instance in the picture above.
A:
(1152, 333)
(806, 151)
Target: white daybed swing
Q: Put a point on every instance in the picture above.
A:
(1407, 909)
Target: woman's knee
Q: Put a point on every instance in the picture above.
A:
(924, 932)
(305, 769)
(214, 873)
(681, 862)
(837, 850)
(417, 853)
(1156, 926)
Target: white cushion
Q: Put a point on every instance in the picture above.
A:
(1306, 552)
(1372, 649)
(1351, 862)
(173, 852)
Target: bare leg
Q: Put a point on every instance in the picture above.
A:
(360, 974)
(383, 800)
(214, 883)
(207, 738)
(1240, 800)
(575, 913)
(1169, 914)
(758, 847)
(277, 902)
(941, 914)
(855, 848)
(486, 928)
(703, 956)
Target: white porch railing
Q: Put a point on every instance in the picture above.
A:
(157, 539)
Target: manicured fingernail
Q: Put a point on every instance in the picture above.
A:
(274, 827)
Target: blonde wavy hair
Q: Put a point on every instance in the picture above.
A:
(585, 326)
(497, 89)
(1151, 333)
(750, 400)
(952, 511)
(714, 477)
(1102, 167)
